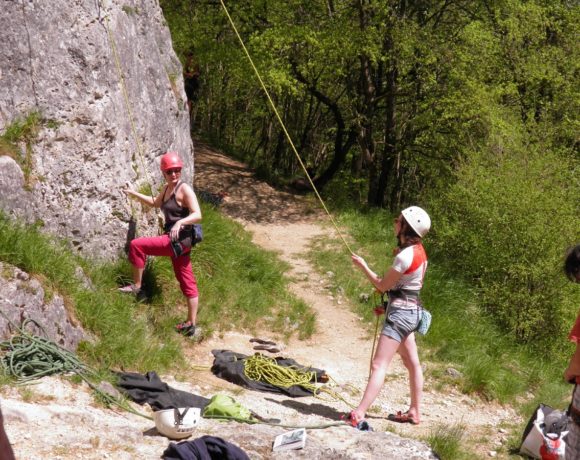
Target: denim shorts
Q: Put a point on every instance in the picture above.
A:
(400, 322)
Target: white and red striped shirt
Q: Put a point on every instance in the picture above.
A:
(412, 263)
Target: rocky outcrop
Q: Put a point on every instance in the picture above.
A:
(91, 122)
(23, 297)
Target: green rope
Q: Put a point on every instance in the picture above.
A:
(253, 421)
(30, 357)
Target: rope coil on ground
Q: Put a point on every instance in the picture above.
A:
(30, 357)
(265, 369)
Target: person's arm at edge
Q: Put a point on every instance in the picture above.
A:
(382, 284)
(145, 199)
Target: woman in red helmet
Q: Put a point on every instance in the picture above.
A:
(181, 210)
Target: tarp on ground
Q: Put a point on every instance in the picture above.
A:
(149, 388)
(229, 366)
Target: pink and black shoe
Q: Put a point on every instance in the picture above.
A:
(187, 328)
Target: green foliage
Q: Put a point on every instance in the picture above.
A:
(22, 132)
(241, 286)
(418, 83)
(446, 442)
(145, 189)
(130, 10)
(506, 224)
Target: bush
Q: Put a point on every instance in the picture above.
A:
(506, 223)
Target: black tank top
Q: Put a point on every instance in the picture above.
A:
(171, 209)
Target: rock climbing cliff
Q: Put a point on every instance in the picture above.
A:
(91, 94)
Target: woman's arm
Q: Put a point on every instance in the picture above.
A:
(388, 280)
(573, 370)
(145, 199)
(188, 200)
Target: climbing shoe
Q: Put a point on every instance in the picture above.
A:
(186, 328)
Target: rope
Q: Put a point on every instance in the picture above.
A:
(374, 343)
(265, 369)
(253, 421)
(30, 357)
(262, 368)
(284, 127)
(378, 319)
(117, 61)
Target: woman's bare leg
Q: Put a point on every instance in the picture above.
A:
(410, 356)
(383, 356)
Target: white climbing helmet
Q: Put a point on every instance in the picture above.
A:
(177, 423)
(418, 219)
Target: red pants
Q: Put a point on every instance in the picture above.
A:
(140, 248)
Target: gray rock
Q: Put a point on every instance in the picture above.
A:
(57, 59)
(364, 297)
(453, 373)
(23, 297)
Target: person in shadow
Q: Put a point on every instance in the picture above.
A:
(6, 452)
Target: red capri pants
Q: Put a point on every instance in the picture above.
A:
(140, 248)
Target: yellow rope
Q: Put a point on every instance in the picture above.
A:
(284, 127)
(262, 368)
(117, 61)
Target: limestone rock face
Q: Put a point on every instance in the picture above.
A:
(106, 87)
(23, 297)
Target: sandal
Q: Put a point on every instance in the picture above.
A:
(268, 348)
(350, 418)
(402, 417)
(361, 425)
(262, 341)
(186, 328)
(129, 289)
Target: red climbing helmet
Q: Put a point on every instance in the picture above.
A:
(170, 160)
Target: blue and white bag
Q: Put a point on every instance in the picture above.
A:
(424, 322)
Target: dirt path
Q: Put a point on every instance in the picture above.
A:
(60, 419)
(286, 224)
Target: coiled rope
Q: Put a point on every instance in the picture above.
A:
(265, 369)
(30, 357)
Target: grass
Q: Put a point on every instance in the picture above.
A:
(241, 287)
(124, 341)
(23, 131)
(491, 366)
(446, 441)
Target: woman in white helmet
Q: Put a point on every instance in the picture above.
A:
(403, 281)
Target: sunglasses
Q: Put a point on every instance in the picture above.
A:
(169, 172)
